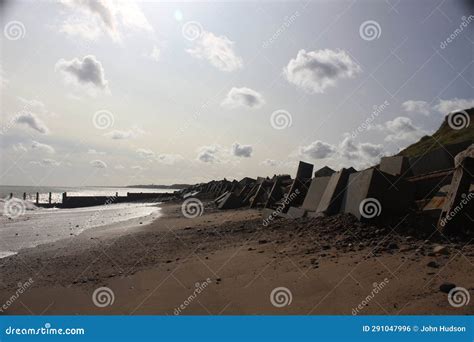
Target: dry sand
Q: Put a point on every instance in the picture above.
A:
(329, 265)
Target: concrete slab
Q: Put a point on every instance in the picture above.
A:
(396, 166)
(305, 171)
(458, 206)
(315, 193)
(436, 160)
(331, 200)
(230, 201)
(372, 193)
(324, 172)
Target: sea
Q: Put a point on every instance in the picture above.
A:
(25, 226)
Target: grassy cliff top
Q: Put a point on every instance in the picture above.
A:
(445, 135)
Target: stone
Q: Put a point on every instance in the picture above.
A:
(315, 193)
(294, 212)
(446, 287)
(440, 250)
(433, 264)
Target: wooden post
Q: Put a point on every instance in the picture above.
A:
(24, 196)
(37, 197)
(49, 199)
(64, 197)
(11, 195)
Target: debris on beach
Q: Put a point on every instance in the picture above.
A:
(436, 183)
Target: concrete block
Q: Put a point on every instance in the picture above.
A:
(230, 201)
(372, 193)
(436, 160)
(324, 172)
(396, 166)
(331, 200)
(315, 193)
(305, 171)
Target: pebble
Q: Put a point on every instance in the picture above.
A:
(446, 287)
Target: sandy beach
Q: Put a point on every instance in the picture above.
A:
(332, 265)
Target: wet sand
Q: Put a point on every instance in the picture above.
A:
(327, 265)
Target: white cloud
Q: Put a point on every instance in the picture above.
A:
(33, 121)
(371, 150)
(351, 150)
(119, 135)
(99, 164)
(217, 50)
(169, 159)
(87, 71)
(145, 154)
(42, 147)
(314, 71)
(209, 154)
(242, 150)
(400, 129)
(119, 167)
(317, 150)
(90, 18)
(243, 97)
(447, 106)
(138, 168)
(419, 107)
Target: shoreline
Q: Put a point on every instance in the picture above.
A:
(155, 268)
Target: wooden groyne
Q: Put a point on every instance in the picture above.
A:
(90, 201)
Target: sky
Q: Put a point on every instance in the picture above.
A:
(141, 92)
